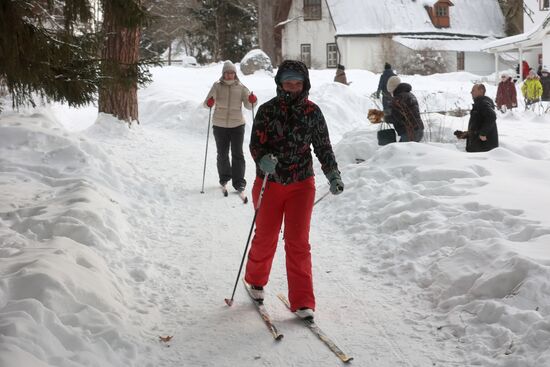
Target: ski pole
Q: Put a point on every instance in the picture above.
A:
(206, 152)
(229, 302)
(321, 198)
(252, 113)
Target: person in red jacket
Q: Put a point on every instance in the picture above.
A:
(525, 69)
(506, 93)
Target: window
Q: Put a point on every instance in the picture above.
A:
(305, 54)
(460, 61)
(332, 55)
(312, 9)
(441, 11)
(544, 4)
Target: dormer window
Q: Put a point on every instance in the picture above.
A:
(439, 13)
(312, 9)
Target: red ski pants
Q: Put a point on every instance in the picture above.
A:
(294, 204)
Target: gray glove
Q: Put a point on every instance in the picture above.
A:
(268, 163)
(335, 181)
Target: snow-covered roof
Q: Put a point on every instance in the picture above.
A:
(371, 17)
(530, 38)
(442, 43)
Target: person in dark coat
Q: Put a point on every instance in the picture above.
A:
(545, 81)
(506, 93)
(382, 86)
(340, 76)
(285, 130)
(403, 112)
(482, 134)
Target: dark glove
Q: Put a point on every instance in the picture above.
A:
(268, 163)
(461, 134)
(210, 102)
(335, 181)
(252, 98)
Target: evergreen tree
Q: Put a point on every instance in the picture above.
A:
(44, 51)
(51, 49)
(228, 29)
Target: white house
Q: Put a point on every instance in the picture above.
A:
(533, 45)
(364, 34)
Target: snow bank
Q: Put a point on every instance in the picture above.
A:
(62, 301)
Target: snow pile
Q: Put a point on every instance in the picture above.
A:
(62, 301)
(255, 60)
(432, 215)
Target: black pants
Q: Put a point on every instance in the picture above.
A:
(230, 170)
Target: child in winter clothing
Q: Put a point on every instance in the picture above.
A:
(228, 95)
(531, 89)
(506, 93)
(284, 130)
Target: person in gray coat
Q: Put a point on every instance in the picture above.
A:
(227, 96)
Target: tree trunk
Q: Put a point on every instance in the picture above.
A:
(266, 29)
(513, 12)
(120, 55)
(221, 31)
(280, 14)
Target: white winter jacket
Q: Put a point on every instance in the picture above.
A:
(229, 97)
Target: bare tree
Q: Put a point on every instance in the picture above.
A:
(266, 28)
(513, 12)
(170, 20)
(271, 13)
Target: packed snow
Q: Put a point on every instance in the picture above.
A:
(430, 257)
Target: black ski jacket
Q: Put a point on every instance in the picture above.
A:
(287, 126)
(404, 113)
(483, 121)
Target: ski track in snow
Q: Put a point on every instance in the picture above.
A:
(180, 277)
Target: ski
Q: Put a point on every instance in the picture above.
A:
(310, 323)
(264, 314)
(224, 190)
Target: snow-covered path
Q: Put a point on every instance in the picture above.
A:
(430, 257)
(192, 245)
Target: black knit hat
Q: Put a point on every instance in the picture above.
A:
(341, 67)
(387, 66)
